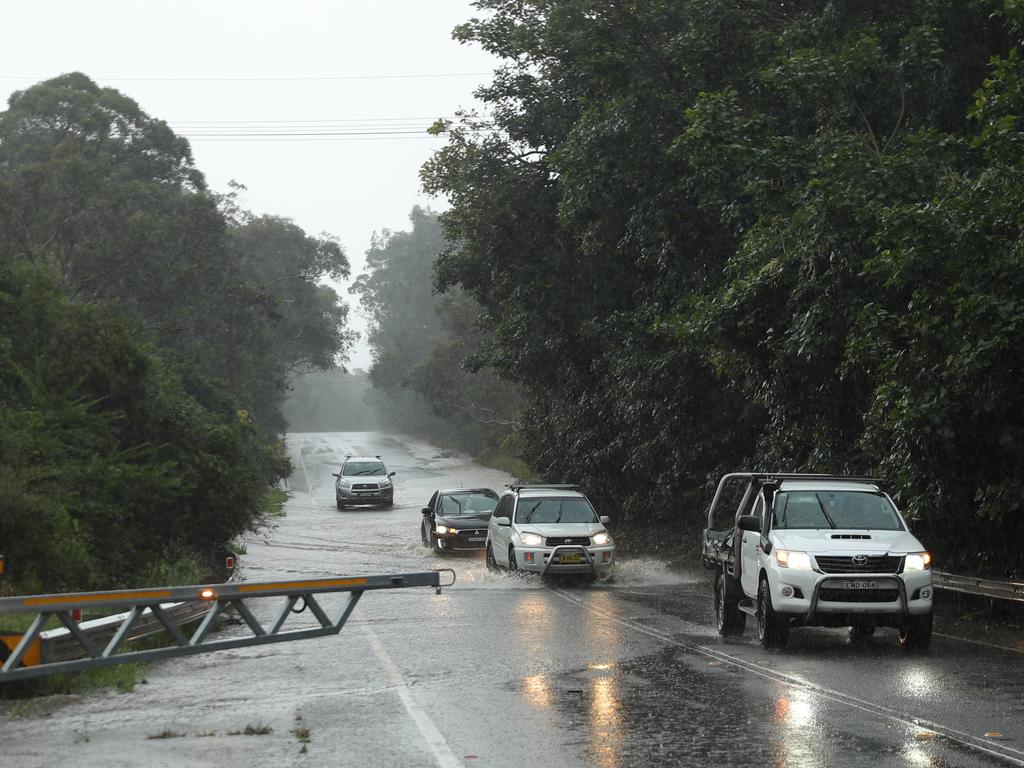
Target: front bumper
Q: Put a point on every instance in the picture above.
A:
(820, 594)
(584, 559)
(462, 541)
(365, 496)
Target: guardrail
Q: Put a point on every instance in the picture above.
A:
(155, 606)
(972, 585)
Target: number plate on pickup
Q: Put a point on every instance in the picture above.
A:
(857, 584)
(574, 558)
(477, 538)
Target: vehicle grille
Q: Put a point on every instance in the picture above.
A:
(859, 595)
(467, 532)
(873, 564)
(364, 487)
(561, 541)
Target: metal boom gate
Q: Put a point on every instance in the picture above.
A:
(219, 597)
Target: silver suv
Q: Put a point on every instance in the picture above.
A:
(364, 480)
(548, 529)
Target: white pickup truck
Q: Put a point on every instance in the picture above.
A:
(815, 551)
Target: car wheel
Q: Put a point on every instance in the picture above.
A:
(861, 631)
(489, 560)
(513, 566)
(386, 505)
(340, 505)
(772, 631)
(435, 544)
(916, 633)
(729, 618)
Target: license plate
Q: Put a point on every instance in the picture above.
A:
(477, 538)
(573, 559)
(859, 584)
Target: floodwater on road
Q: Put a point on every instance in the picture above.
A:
(507, 671)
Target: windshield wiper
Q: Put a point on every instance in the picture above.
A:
(825, 512)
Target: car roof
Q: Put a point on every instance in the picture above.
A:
(364, 458)
(828, 485)
(548, 493)
(454, 491)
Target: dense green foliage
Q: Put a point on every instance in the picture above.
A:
(424, 380)
(710, 235)
(147, 330)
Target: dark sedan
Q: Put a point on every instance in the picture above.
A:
(455, 519)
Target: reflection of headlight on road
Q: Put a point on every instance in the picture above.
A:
(531, 539)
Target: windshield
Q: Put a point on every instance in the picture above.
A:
(464, 504)
(570, 510)
(363, 468)
(835, 509)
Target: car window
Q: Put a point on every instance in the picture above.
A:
(462, 504)
(363, 468)
(835, 509)
(564, 510)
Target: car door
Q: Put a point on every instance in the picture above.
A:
(750, 548)
(429, 520)
(499, 534)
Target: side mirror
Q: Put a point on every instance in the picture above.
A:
(426, 511)
(335, 474)
(503, 520)
(749, 523)
(605, 519)
(391, 474)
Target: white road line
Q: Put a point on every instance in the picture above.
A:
(442, 752)
(966, 739)
(980, 642)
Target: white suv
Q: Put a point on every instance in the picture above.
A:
(820, 551)
(548, 529)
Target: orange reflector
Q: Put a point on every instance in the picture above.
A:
(355, 582)
(32, 655)
(207, 594)
(93, 598)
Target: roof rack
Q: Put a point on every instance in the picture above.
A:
(541, 486)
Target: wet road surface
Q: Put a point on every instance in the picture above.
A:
(503, 671)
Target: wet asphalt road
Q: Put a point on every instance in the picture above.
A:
(502, 671)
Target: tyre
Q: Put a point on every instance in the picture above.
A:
(513, 566)
(861, 630)
(489, 560)
(435, 544)
(340, 505)
(386, 505)
(729, 618)
(916, 633)
(772, 630)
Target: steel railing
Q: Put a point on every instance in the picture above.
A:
(972, 585)
(157, 606)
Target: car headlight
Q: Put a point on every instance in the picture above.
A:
(385, 483)
(601, 538)
(918, 561)
(531, 539)
(445, 529)
(344, 483)
(798, 561)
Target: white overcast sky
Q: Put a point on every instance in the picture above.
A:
(185, 61)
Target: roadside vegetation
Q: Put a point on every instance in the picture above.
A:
(148, 328)
(708, 235)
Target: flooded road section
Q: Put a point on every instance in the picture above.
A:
(512, 671)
